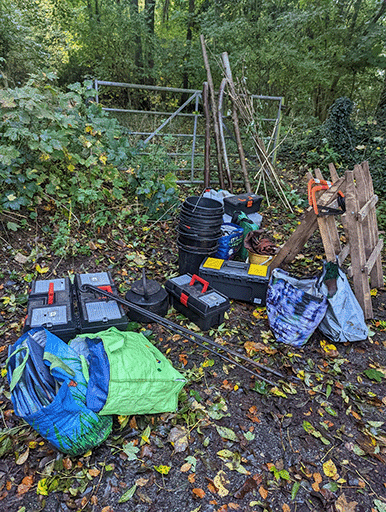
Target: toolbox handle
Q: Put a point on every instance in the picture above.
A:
(195, 278)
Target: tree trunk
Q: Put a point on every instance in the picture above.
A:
(138, 43)
(189, 33)
(380, 114)
(149, 13)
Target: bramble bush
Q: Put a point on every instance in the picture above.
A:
(63, 147)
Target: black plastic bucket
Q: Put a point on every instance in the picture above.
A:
(206, 232)
(191, 239)
(203, 206)
(200, 220)
(190, 258)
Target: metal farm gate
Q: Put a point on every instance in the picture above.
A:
(181, 125)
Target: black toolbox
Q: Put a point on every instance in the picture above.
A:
(50, 305)
(246, 282)
(247, 203)
(194, 298)
(98, 313)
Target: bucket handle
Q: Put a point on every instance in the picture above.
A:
(195, 278)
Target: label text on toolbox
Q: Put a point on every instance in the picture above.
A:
(213, 263)
(257, 270)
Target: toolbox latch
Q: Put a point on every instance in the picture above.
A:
(184, 299)
(51, 293)
(106, 288)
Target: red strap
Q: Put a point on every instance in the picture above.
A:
(51, 293)
(184, 299)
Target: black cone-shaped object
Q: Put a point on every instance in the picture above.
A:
(149, 295)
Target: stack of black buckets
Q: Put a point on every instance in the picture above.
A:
(199, 231)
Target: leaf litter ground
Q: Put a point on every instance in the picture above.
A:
(235, 443)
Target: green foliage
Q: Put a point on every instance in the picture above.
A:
(339, 129)
(20, 51)
(63, 147)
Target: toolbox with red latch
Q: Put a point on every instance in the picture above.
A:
(50, 305)
(247, 203)
(192, 296)
(98, 313)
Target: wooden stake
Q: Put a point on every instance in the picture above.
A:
(205, 100)
(235, 118)
(214, 112)
(222, 138)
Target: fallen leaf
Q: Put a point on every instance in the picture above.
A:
(164, 470)
(133, 423)
(140, 260)
(342, 505)
(329, 348)
(22, 458)
(263, 492)
(329, 469)
(93, 472)
(67, 463)
(126, 496)
(25, 485)
(286, 508)
(249, 485)
(226, 433)
(41, 270)
(381, 505)
(42, 488)
(373, 374)
(20, 258)
(220, 481)
(141, 482)
(227, 385)
(252, 348)
(185, 467)
(200, 493)
(178, 437)
(183, 359)
(233, 506)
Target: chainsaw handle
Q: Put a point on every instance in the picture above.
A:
(195, 278)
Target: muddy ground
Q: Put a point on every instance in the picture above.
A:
(315, 443)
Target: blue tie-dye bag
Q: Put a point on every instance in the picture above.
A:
(295, 307)
(48, 390)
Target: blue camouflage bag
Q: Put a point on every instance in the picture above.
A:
(48, 383)
(295, 307)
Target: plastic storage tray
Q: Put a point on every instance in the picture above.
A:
(246, 282)
(194, 298)
(247, 203)
(95, 312)
(50, 305)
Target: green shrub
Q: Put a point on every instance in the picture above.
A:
(64, 147)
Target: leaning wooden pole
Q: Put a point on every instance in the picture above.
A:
(214, 112)
(222, 137)
(235, 118)
(205, 100)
